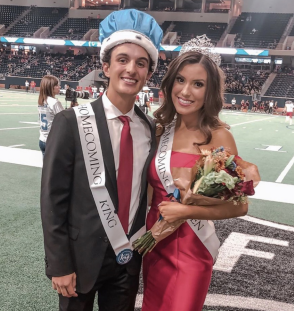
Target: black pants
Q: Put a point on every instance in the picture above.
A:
(117, 289)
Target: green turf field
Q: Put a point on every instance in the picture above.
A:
(265, 140)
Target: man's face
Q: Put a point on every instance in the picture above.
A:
(128, 70)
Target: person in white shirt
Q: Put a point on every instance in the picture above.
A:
(233, 102)
(289, 111)
(151, 98)
(27, 85)
(101, 90)
(270, 106)
(144, 100)
(94, 90)
(48, 107)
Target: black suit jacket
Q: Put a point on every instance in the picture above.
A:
(74, 238)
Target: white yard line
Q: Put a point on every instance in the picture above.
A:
(16, 105)
(18, 128)
(5, 113)
(20, 156)
(263, 119)
(267, 223)
(285, 171)
(24, 122)
(275, 192)
(15, 146)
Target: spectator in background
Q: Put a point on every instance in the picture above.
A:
(33, 86)
(233, 102)
(48, 107)
(94, 90)
(275, 108)
(271, 106)
(101, 90)
(289, 111)
(27, 85)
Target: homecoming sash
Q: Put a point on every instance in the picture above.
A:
(94, 163)
(204, 229)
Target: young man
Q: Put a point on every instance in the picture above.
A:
(27, 84)
(144, 100)
(289, 111)
(94, 188)
(94, 89)
(101, 90)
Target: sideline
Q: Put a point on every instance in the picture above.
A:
(285, 171)
(263, 119)
(20, 156)
(18, 128)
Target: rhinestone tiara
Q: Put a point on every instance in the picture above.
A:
(203, 45)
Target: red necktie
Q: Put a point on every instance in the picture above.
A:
(125, 173)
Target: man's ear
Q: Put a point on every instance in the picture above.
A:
(105, 67)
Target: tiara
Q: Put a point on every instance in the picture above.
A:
(203, 45)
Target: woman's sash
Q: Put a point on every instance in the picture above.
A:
(204, 229)
(94, 163)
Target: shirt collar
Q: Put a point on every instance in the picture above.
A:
(112, 112)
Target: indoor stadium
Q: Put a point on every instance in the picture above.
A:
(254, 39)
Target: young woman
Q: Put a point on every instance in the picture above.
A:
(48, 107)
(177, 272)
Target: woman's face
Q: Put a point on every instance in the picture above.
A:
(56, 89)
(189, 89)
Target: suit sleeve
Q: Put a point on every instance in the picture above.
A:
(55, 196)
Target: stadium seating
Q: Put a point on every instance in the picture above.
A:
(75, 28)
(260, 30)
(282, 86)
(37, 17)
(8, 13)
(244, 80)
(188, 30)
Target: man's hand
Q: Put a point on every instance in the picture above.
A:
(65, 285)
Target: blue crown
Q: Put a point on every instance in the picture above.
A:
(131, 26)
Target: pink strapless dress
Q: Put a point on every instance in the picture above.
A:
(178, 271)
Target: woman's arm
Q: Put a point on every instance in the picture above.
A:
(149, 195)
(172, 211)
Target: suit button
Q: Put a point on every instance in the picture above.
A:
(105, 239)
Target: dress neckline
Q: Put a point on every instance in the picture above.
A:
(191, 154)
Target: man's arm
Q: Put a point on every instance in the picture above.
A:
(55, 194)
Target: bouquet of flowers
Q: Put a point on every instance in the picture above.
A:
(217, 177)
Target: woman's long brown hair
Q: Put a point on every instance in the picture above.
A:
(47, 88)
(213, 100)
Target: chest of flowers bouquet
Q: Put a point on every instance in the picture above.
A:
(218, 176)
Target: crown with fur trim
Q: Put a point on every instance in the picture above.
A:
(203, 45)
(131, 26)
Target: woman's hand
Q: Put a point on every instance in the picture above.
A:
(172, 211)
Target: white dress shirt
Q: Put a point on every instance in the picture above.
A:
(141, 145)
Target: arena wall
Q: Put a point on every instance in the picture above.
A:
(39, 3)
(159, 16)
(268, 6)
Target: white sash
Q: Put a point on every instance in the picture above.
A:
(204, 229)
(94, 163)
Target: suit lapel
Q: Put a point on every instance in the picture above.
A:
(107, 151)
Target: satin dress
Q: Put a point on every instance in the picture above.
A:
(178, 271)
